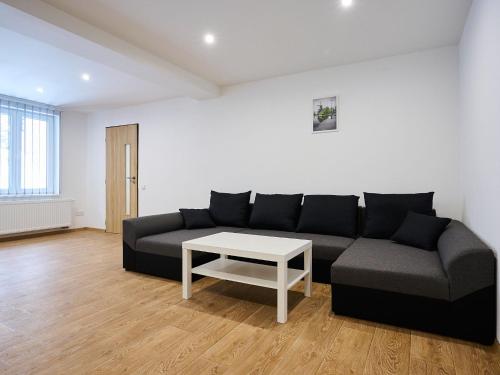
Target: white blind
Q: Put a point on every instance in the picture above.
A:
(29, 148)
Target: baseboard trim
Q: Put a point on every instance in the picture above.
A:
(100, 230)
(46, 232)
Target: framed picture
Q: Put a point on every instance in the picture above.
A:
(325, 115)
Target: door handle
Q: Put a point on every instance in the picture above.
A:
(131, 179)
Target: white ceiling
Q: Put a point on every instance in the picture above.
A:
(144, 50)
(29, 64)
(264, 38)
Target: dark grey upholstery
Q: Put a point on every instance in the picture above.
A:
(324, 247)
(170, 243)
(384, 265)
(139, 227)
(468, 262)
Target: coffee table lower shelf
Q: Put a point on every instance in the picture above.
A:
(247, 273)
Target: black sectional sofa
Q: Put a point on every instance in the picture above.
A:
(450, 291)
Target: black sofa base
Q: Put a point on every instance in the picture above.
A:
(321, 269)
(171, 267)
(471, 318)
(159, 265)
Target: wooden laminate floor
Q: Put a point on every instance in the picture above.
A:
(68, 307)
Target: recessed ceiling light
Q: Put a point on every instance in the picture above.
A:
(346, 3)
(86, 77)
(209, 38)
(40, 90)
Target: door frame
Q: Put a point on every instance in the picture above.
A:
(106, 171)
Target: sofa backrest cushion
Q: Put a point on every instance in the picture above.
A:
(386, 212)
(329, 214)
(229, 209)
(276, 211)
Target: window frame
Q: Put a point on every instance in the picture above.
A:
(18, 116)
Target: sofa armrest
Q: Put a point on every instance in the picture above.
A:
(468, 262)
(133, 229)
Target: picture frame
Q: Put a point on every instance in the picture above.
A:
(325, 114)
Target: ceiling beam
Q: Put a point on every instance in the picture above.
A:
(50, 25)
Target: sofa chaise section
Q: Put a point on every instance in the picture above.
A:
(450, 291)
(385, 265)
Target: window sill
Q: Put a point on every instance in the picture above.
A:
(33, 199)
(28, 196)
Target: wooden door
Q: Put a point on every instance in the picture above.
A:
(121, 175)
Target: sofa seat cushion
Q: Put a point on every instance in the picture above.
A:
(324, 247)
(384, 265)
(170, 243)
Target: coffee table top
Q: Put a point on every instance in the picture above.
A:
(249, 245)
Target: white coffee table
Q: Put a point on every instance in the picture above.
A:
(275, 249)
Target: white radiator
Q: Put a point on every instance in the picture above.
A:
(30, 215)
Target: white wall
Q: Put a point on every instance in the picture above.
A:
(73, 162)
(398, 133)
(480, 122)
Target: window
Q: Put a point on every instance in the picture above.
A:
(29, 148)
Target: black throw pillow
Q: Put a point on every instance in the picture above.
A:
(276, 211)
(420, 231)
(196, 218)
(329, 214)
(386, 212)
(229, 209)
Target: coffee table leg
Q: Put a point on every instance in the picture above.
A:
(186, 273)
(282, 291)
(308, 277)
